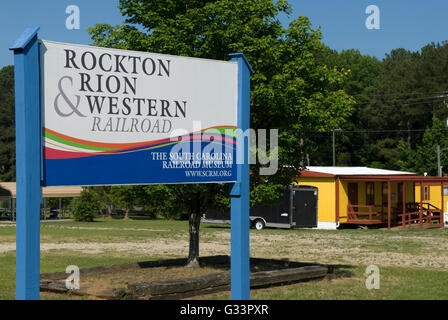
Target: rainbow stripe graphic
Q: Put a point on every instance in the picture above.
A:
(60, 146)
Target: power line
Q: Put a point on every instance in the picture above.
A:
(397, 101)
(393, 130)
(376, 131)
(403, 93)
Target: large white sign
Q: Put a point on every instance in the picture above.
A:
(104, 108)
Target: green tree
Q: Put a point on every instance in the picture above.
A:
(409, 92)
(127, 197)
(424, 157)
(362, 72)
(86, 206)
(160, 201)
(106, 199)
(290, 90)
(396, 99)
(7, 125)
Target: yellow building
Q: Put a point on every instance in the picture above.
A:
(369, 196)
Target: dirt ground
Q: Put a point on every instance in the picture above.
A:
(100, 285)
(334, 247)
(324, 247)
(116, 282)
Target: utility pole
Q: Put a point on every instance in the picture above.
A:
(439, 169)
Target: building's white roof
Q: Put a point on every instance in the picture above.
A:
(356, 171)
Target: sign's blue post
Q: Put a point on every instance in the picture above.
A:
(28, 164)
(239, 193)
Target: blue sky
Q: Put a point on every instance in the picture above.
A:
(408, 24)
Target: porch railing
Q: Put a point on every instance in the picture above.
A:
(377, 214)
(421, 213)
(363, 214)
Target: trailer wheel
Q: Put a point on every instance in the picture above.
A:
(259, 224)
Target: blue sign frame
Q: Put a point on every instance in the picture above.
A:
(29, 167)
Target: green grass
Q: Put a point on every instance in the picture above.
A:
(54, 262)
(349, 284)
(420, 274)
(7, 276)
(62, 232)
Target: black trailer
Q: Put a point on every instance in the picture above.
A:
(297, 208)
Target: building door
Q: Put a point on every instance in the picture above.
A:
(353, 194)
(400, 197)
(305, 204)
(384, 199)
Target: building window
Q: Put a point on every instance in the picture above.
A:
(445, 191)
(370, 193)
(426, 193)
(393, 196)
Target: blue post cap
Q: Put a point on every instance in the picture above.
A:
(24, 38)
(241, 55)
